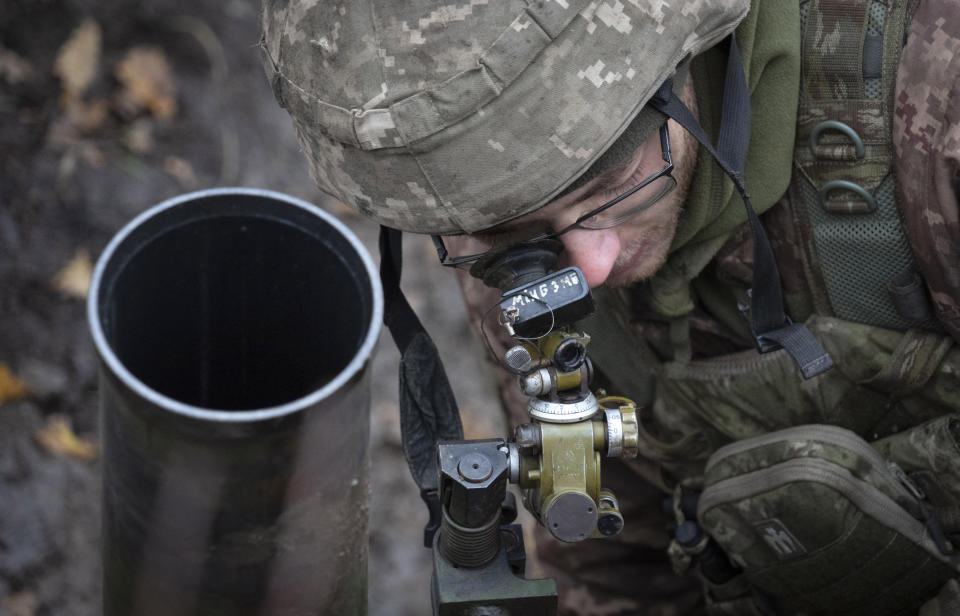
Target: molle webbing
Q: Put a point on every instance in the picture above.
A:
(844, 189)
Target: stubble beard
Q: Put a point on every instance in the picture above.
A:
(644, 255)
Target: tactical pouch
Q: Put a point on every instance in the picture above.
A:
(821, 522)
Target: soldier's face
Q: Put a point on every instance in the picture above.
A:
(631, 251)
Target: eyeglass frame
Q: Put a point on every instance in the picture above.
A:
(667, 170)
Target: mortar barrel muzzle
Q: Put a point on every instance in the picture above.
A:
(235, 329)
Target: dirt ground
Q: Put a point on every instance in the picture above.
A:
(106, 108)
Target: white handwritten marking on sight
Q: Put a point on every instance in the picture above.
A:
(551, 287)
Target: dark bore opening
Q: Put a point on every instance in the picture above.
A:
(236, 312)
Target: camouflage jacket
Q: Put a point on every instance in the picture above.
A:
(896, 387)
(679, 345)
(926, 132)
(710, 388)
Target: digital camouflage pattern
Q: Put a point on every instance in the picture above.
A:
(447, 118)
(927, 139)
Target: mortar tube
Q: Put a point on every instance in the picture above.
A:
(235, 329)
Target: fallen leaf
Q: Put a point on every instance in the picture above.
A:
(23, 603)
(181, 170)
(11, 388)
(13, 68)
(77, 60)
(74, 279)
(147, 81)
(57, 437)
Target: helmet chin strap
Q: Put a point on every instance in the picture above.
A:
(771, 328)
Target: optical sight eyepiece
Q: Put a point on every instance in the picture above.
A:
(517, 265)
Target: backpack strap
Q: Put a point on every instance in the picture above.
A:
(844, 194)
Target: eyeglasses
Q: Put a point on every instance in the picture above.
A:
(606, 216)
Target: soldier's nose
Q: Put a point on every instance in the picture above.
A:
(593, 251)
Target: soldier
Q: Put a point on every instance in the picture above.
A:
(820, 490)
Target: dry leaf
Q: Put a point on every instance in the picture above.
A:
(11, 388)
(148, 81)
(13, 68)
(23, 603)
(77, 60)
(181, 170)
(74, 279)
(58, 437)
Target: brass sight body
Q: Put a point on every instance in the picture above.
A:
(556, 459)
(558, 468)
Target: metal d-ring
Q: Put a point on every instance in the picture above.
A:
(838, 126)
(871, 203)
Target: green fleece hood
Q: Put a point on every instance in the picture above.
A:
(769, 41)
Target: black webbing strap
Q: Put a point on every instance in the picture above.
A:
(428, 410)
(772, 329)
(397, 311)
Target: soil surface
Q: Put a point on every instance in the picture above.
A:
(108, 107)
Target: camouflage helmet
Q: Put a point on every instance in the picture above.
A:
(450, 118)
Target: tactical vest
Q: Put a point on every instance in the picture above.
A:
(839, 494)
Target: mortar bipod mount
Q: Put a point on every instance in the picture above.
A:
(478, 554)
